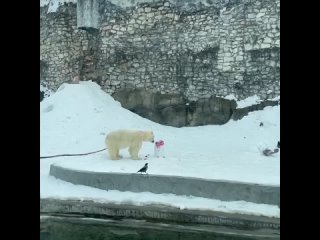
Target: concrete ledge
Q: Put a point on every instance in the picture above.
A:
(214, 189)
(157, 213)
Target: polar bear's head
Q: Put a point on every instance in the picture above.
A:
(148, 136)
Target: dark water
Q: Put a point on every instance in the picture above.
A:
(71, 228)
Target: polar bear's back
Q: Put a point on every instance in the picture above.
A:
(124, 138)
(118, 134)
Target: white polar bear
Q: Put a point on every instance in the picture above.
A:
(127, 139)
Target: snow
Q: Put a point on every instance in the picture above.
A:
(230, 97)
(54, 4)
(250, 100)
(76, 118)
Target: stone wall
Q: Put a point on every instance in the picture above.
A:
(194, 50)
(266, 227)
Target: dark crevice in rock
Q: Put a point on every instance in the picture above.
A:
(175, 110)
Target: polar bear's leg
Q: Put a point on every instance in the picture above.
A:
(118, 156)
(134, 151)
(114, 153)
(113, 149)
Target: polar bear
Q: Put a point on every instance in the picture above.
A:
(127, 139)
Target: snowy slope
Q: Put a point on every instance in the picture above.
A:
(77, 117)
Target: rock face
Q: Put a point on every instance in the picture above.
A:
(177, 51)
(41, 95)
(174, 109)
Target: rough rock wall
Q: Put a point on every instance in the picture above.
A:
(193, 50)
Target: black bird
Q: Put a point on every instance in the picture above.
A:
(261, 124)
(278, 145)
(144, 169)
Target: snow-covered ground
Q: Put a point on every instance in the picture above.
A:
(248, 101)
(77, 118)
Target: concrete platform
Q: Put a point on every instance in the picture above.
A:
(214, 189)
